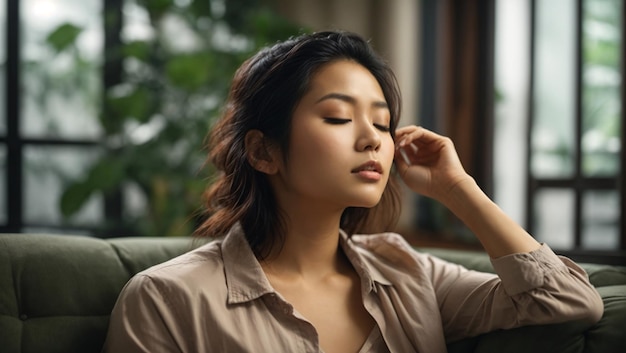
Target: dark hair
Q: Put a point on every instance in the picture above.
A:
(264, 93)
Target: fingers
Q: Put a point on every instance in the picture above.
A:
(406, 134)
(405, 149)
(417, 135)
(416, 145)
(401, 153)
(406, 154)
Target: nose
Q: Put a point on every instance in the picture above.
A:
(368, 138)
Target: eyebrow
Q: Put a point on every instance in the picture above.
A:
(349, 99)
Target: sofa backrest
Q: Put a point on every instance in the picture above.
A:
(57, 291)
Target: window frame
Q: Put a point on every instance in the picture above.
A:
(11, 140)
(437, 32)
(577, 183)
(16, 144)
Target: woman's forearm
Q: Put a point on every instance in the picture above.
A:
(499, 234)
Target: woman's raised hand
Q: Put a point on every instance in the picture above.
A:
(427, 162)
(432, 168)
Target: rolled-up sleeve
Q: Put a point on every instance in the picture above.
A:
(530, 288)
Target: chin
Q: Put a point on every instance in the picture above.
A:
(365, 198)
(367, 203)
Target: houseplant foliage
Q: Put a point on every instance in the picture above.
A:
(155, 116)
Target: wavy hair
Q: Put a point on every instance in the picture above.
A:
(263, 96)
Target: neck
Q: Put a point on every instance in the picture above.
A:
(311, 247)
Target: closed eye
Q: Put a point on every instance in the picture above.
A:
(336, 121)
(382, 128)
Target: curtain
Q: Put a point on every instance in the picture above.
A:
(466, 92)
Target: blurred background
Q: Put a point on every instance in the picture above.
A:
(105, 104)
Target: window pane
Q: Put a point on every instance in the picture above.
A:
(61, 50)
(554, 217)
(47, 171)
(601, 220)
(511, 106)
(552, 142)
(601, 87)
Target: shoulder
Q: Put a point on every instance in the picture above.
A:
(393, 250)
(182, 273)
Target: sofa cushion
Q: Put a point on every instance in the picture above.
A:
(606, 334)
(137, 254)
(56, 292)
(602, 275)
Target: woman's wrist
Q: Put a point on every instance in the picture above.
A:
(462, 191)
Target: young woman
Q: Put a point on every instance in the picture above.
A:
(307, 150)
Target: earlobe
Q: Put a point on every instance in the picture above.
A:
(258, 152)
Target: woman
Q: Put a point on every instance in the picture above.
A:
(306, 152)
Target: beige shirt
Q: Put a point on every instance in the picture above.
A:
(217, 299)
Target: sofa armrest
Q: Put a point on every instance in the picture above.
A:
(606, 336)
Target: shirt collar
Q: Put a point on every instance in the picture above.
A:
(362, 262)
(246, 281)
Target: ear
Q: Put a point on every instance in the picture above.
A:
(261, 155)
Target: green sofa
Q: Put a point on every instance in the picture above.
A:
(56, 293)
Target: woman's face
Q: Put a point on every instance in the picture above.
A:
(341, 150)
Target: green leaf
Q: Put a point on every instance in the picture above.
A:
(189, 71)
(157, 8)
(74, 197)
(268, 27)
(63, 36)
(201, 8)
(107, 174)
(137, 49)
(104, 176)
(237, 13)
(137, 104)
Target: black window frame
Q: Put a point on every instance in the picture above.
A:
(432, 65)
(16, 144)
(578, 183)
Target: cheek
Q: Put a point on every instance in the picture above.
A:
(320, 144)
(388, 150)
(307, 150)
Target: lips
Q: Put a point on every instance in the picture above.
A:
(370, 166)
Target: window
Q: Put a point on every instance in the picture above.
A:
(105, 104)
(556, 118)
(571, 76)
(48, 130)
